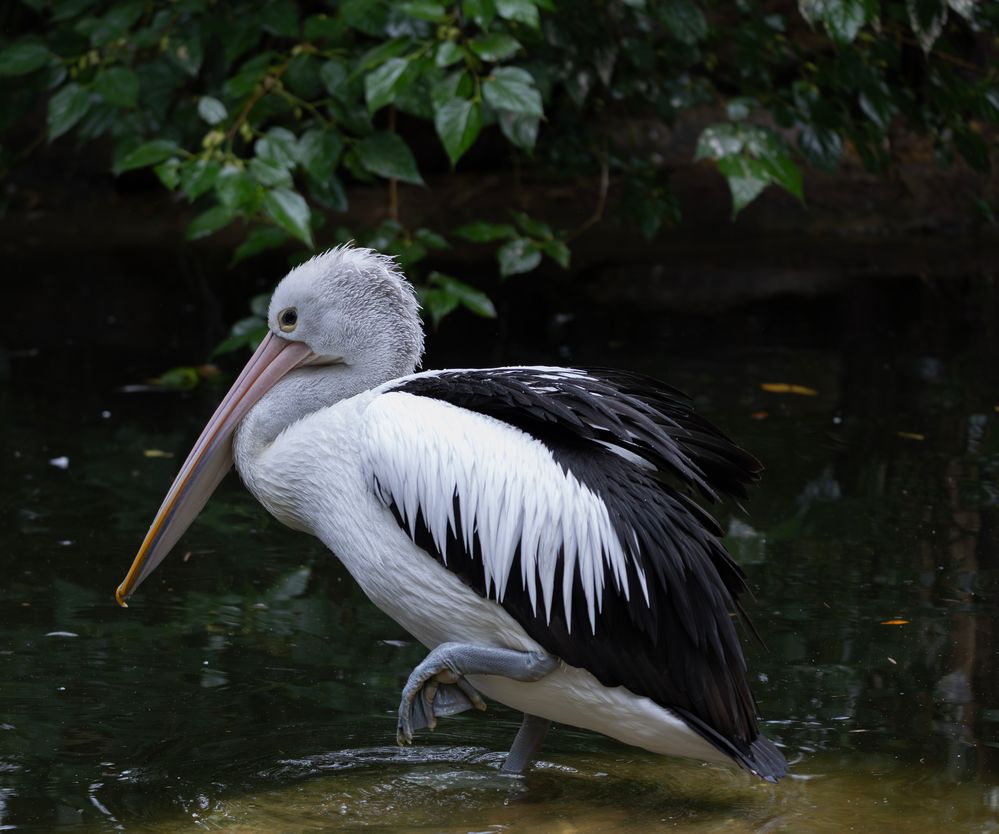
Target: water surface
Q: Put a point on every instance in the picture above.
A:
(251, 687)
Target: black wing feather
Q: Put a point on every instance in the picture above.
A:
(679, 647)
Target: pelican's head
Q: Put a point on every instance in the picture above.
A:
(348, 306)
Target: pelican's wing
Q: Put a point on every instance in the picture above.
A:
(563, 496)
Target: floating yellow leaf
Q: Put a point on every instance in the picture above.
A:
(911, 435)
(156, 453)
(894, 622)
(788, 388)
(759, 415)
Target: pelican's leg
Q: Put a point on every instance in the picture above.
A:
(529, 737)
(447, 665)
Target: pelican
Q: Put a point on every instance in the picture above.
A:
(534, 527)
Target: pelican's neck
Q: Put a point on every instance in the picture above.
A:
(300, 393)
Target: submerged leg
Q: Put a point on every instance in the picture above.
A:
(529, 737)
(447, 665)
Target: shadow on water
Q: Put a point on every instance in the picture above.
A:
(251, 687)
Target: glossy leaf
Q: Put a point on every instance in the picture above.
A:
(519, 129)
(118, 86)
(480, 11)
(212, 110)
(521, 11)
(458, 124)
(558, 251)
(198, 177)
(382, 84)
(319, 150)
(22, 58)
(495, 47)
(481, 232)
(208, 222)
(259, 240)
(513, 89)
(66, 108)
(448, 53)
(518, 256)
(684, 19)
(387, 155)
(147, 154)
(470, 298)
(289, 210)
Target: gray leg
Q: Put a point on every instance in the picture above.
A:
(529, 737)
(448, 664)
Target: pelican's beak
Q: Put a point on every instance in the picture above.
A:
(211, 457)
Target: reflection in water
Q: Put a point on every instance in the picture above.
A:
(251, 687)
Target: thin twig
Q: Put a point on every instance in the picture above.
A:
(263, 89)
(598, 211)
(393, 183)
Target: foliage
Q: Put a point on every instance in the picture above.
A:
(268, 114)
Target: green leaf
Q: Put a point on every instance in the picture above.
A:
(457, 84)
(259, 240)
(458, 124)
(496, 47)
(289, 210)
(22, 58)
(518, 256)
(521, 11)
(212, 110)
(387, 155)
(470, 298)
(430, 239)
(437, 302)
(208, 222)
(877, 102)
(558, 251)
(448, 53)
(279, 146)
(750, 158)
(685, 20)
(481, 11)
(248, 332)
(146, 154)
(187, 51)
(382, 84)
(744, 191)
(512, 88)
(168, 173)
(270, 174)
(482, 232)
(198, 177)
(425, 10)
(66, 108)
(237, 190)
(333, 75)
(535, 228)
(822, 146)
(118, 86)
(368, 16)
(319, 151)
(519, 129)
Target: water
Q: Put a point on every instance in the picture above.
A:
(251, 687)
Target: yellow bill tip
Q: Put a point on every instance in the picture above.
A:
(119, 595)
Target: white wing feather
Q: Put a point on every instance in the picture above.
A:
(423, 452)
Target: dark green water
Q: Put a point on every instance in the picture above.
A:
(251, 687)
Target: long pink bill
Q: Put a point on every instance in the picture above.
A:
(211, 457)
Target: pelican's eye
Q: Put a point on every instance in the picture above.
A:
(288, 319)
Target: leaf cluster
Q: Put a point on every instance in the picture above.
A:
(267, 114)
